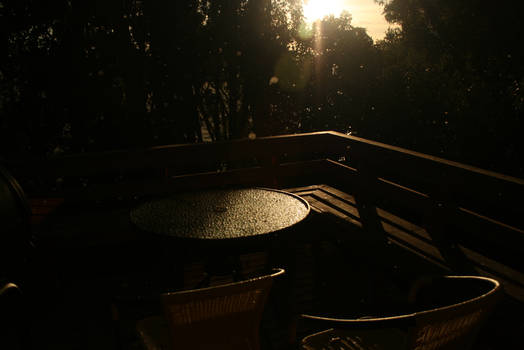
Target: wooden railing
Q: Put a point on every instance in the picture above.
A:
(462, 206)
(280, 161)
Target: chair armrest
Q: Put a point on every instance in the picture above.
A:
(402, 322)
(9, 288)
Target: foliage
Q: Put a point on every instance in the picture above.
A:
(462, 68)
(86, 76)
(92, 75)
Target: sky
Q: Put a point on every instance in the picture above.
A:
(365, 13)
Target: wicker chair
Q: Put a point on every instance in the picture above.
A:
(12, 335)
(15, 228)
(226, 316)
(445, 313)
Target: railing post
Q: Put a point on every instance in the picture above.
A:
(366, 199)
(440, 229)
(381, 256)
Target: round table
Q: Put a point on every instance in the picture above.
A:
(221, 214)
(221, 224)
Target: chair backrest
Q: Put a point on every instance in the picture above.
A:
(11, 317)
(455, 309)
(220, 317)
(446, 314)
(15, 230)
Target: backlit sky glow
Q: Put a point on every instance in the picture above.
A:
(365, 13)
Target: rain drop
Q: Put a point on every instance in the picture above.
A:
(273, 80)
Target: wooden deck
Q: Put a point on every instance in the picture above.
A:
(416, 239)
(344, 265)
(381, 217)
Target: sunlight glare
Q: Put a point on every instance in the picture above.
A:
(318, 9)
(364, 13)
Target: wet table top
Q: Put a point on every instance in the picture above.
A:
(221, 214)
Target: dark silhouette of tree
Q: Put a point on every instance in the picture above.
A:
(86, 76)
(74, 76)
(81, 76)
(246, 40)
(342, 61)
(453, 68)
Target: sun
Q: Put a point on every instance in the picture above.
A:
(317, 9)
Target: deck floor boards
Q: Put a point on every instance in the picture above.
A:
(416, 245)
(406, 234)
(338, 271)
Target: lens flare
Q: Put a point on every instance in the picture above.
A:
(317, 9)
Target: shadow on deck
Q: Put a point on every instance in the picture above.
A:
(343, 266)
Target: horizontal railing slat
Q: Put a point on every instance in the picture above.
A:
(185, 157)
(463, 185)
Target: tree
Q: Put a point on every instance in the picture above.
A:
(246, 40)
(86, 76)
(343, 67)
(461, 77)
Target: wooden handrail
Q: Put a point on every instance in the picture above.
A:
(369, 148)
(325, 142)
(184, 155)
(375, 154)
(458, 185)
